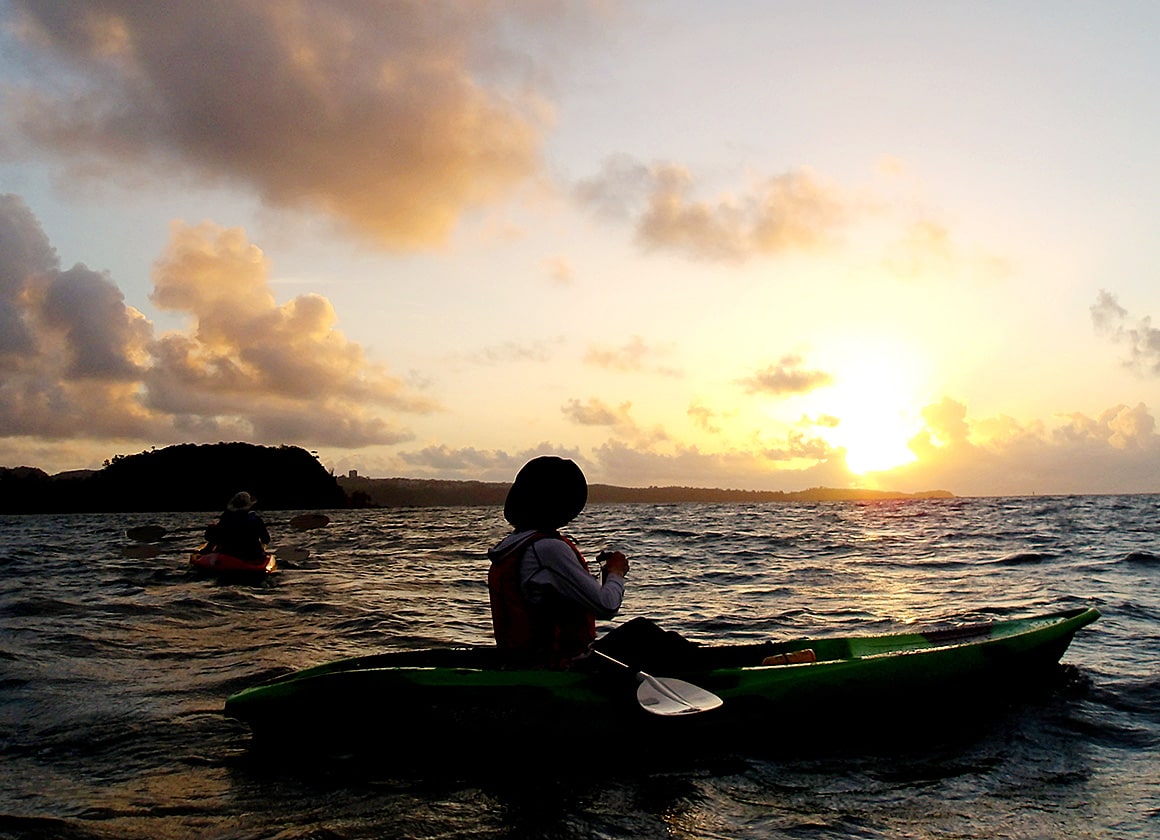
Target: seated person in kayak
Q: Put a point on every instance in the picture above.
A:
(544, 599)
(239, 531)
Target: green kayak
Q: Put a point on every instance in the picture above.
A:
(415, 705)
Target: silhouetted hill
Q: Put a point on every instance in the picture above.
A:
(184, 477)
(411, 492)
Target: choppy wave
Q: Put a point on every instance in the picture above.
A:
(114, 664)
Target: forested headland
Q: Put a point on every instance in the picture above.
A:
(187, 477)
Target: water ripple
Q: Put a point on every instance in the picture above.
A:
(113, 668)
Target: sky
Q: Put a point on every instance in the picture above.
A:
(758, 245)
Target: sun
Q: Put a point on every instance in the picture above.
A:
(873, 409)
(875, 441)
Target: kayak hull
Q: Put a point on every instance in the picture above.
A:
(457, 705)
(228, 566)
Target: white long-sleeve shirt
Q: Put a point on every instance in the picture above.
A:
(550, 566)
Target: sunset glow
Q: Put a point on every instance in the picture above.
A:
(877, 407)
(760, 246)
(875, 443)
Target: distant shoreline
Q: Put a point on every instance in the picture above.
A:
(201, 477)
(417, 492)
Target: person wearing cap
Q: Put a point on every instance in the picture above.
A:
(239, 531)
(544, 599)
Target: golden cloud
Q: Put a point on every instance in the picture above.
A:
(77, 362)
(391, 118)
(276, 364)
(787, 212)
(632, 356)
(786, 377)
(618, 419)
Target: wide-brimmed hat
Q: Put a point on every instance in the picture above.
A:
(241, 501)
(548, 492)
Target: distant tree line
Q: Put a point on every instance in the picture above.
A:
(415, 492)
(411, 492)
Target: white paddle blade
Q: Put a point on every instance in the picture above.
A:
(667, 696)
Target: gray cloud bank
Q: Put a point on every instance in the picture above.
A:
(1141, 339)
(76, 361)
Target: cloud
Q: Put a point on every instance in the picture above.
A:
(70, 348)
(659, 447)
(798, 447)
(1116, 452)
(286, 368)
(1142, 339)
(513, 351)
(598, 413)
(947, 421)
(788, 212)
(786, 377)
(560, 270)
(618, 419)
(619, 191)
(1107, 314)
(925, 248)
(82, 364)
(471, 464)
(25, 257)
(104, 339)
(629, 357)
(928, 249)
(623, 463)
(391, 118)
(704, 417)
(1122, 427)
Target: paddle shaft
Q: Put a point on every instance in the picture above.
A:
(641, 676)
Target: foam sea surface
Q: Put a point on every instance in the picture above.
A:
(115, 661)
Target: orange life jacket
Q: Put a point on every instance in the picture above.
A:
(546, 635)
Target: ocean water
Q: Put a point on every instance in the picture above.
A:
(115, 661)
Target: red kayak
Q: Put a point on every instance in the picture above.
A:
(226, 564)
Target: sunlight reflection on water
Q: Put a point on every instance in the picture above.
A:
(113, 668)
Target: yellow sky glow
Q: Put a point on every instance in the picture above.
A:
(877, 400)
(433, 243)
